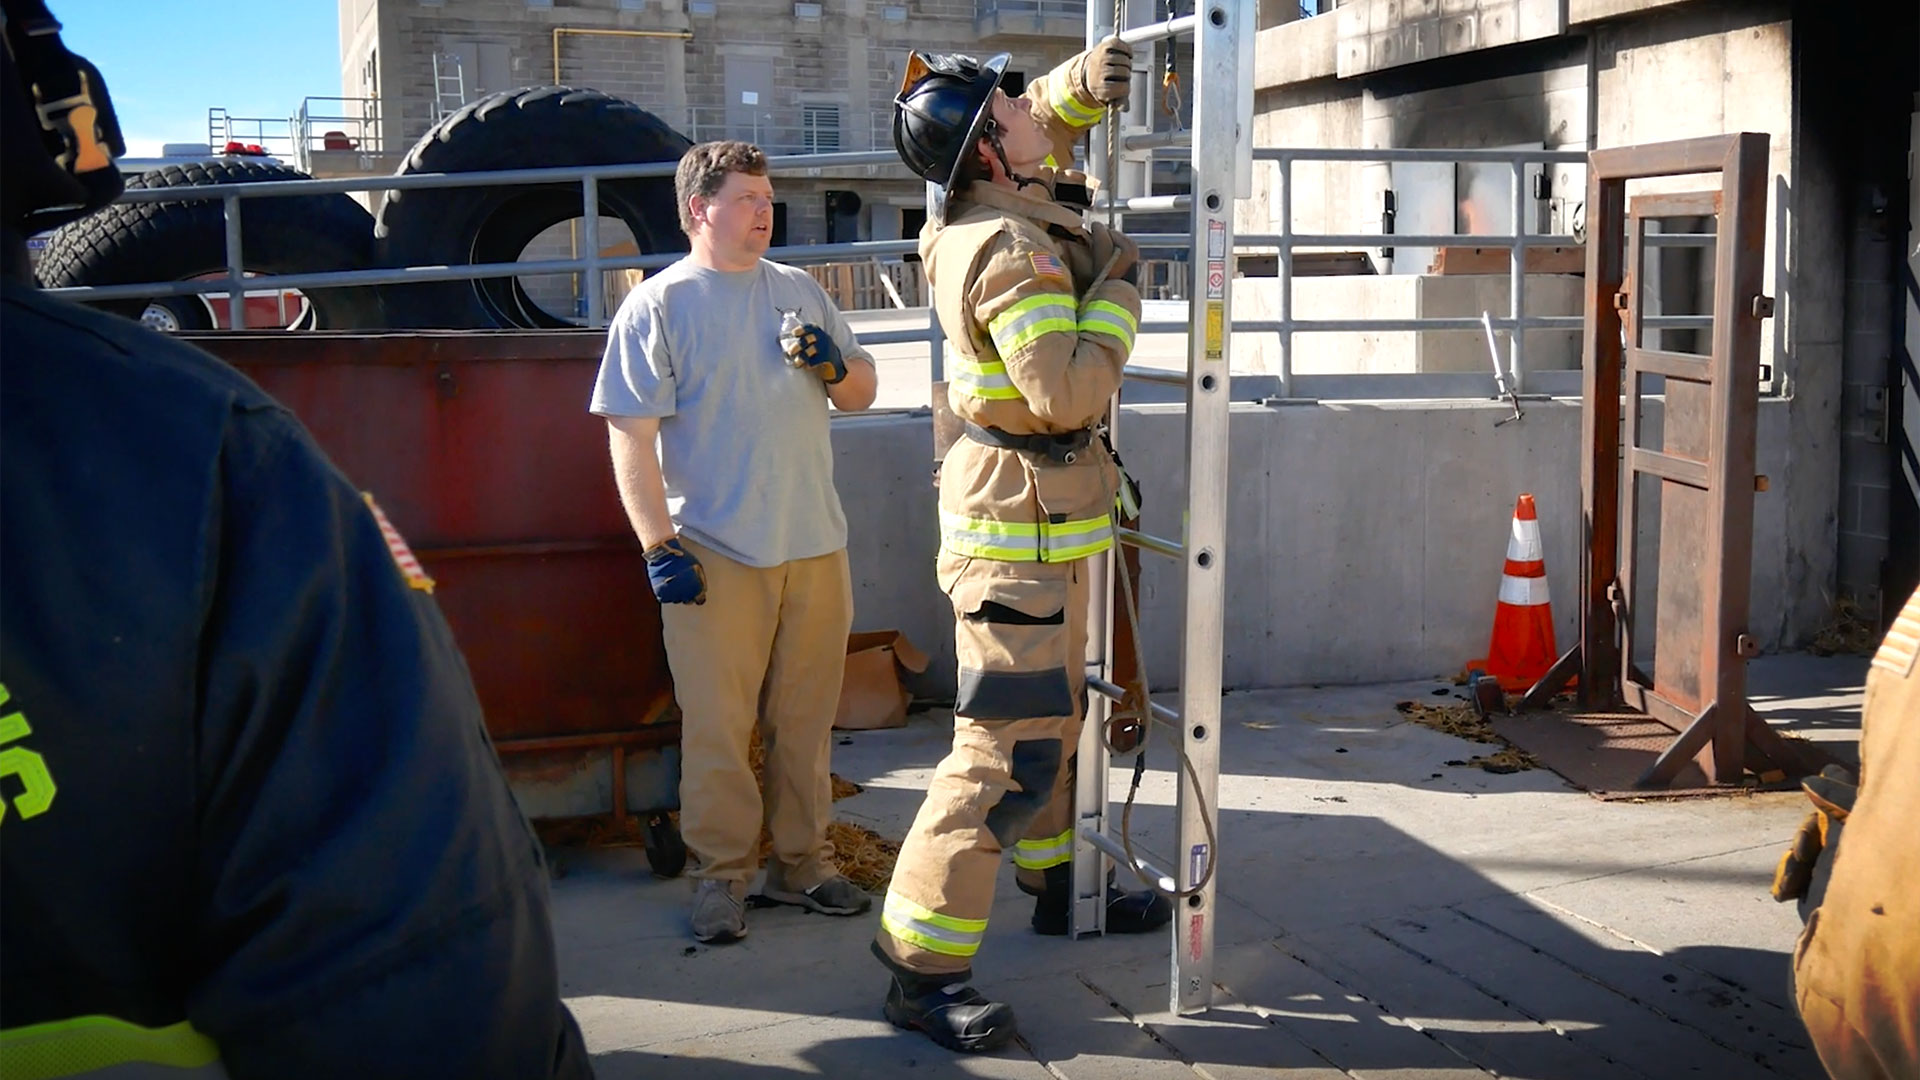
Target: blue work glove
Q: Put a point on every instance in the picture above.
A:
(814, 348)
(676, 576)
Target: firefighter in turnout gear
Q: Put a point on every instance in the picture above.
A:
(1041, 311)
(254, 827)
(1856, 969)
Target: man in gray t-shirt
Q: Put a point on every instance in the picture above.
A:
(744, 536)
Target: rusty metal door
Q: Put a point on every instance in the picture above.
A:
(1664, 629)
(1698, 464)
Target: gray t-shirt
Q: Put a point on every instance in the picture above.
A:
(744, 446)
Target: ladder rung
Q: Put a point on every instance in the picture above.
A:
(1172, 549)
(1157, 139)
(1148, 204)
(1109, 690)
(1119, 854)
(1156, 375)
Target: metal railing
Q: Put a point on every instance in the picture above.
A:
(319, 122)
(1283, 385)
(793, 129)
(1073, 10)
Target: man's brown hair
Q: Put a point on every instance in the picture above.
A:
(705, 169)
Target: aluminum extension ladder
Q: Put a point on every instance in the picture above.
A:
(1220, 151)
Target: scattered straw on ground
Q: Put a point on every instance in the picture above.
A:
(1461, 721)
(865, 857)
(1848, 630)
(1458, 720)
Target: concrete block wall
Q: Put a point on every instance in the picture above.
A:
(1365, 540)
(1866, 457)
(852, 57)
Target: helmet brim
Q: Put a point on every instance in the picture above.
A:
(994, 66)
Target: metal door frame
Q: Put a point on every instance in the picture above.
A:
(1716, 725)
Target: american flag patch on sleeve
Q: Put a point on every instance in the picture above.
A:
(403, 559)
(1045, 265)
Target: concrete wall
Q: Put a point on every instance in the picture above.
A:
(1409, 296)
(1365, 540)
(1630, 72)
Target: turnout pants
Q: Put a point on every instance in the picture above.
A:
(1020, 637)
(1856, 970)
(768, 646)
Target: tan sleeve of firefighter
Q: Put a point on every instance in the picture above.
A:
(1064, 107)
(1061, 354)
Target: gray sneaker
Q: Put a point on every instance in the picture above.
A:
(717, 916)
(834, 896)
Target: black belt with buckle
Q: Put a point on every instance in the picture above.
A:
(1060, 449)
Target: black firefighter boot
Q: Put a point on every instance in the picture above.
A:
(949, 1012)
(1127, 912)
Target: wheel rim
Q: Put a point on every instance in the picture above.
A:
(161, 318)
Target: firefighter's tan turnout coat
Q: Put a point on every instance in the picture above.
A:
(1037, 348)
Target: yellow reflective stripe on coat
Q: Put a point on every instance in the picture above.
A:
(1107, 317)
(949, 936)
(984, 379)
(1032, 318)
(1014, 541)
(1068, 108)
(1043, 853)
(89, 1043)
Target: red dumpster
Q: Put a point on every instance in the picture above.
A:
(479, 448)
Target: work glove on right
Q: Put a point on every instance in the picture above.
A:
(1108, 71)
(1106, 243)
(1832, 793)
(676, 576)
(814, 349)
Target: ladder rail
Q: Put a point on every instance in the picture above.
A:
(1222, 38)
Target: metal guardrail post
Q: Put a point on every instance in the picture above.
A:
(590, 236)
(1284, 270)
(1517, 279)
(236, 270)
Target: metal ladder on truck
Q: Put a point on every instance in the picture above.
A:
(1220, 149)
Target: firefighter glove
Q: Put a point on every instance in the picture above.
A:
(812, 347)
(1832, 794)
(1108, 71)
(676, 576)
(1109, 243)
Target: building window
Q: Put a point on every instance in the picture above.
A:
(536, 4)
(633, 5)
(703, 8)
(894, 13)
(806, 11)
(820, 128)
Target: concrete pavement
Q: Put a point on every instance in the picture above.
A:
(1382, 914)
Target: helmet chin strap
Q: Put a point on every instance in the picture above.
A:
(992, 134)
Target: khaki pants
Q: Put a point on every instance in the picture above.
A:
(1020, 638)
(768, 645)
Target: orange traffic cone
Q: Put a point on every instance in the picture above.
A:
(1522, 648)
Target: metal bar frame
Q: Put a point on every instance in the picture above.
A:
(1714, 454)
(1222, 84)
(592, 267)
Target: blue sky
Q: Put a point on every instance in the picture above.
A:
(168, 61)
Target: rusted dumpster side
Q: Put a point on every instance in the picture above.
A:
(479, 448)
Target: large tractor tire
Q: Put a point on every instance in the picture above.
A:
(547, 127)
(129, 243)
